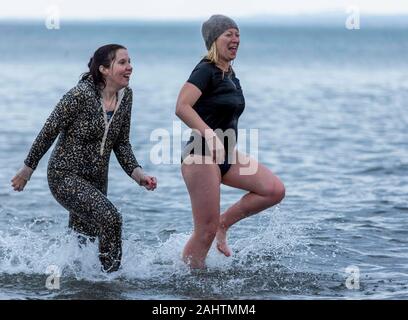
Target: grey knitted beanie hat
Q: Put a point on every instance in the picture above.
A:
(214, 27)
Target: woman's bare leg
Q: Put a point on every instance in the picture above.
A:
(265, 190)
(203, 184)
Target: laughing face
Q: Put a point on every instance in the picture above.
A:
(118, 74)
(227, 44)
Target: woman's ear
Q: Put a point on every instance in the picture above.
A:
(102, 70)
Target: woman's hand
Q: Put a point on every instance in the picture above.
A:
(20, 179)
(217, 148)
(18, 183)
(218, 152)
(150, 183)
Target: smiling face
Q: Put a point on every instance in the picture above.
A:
(118, 74)
(227, 45)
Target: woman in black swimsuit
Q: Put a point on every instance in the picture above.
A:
(210, 103)
(91, 120)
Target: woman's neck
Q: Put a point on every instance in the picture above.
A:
(224, 65)
(108, 92)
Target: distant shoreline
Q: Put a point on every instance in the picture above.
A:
(328, 19)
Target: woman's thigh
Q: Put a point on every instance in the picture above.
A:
(250, 175)
(79, 196)
(203, 184)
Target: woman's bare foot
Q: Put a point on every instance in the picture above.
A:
(221, 237)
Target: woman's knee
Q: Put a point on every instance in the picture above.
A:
(275, 191)
(111, 217)
(281, 190)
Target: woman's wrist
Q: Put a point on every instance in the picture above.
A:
(25, 172)
(138, 174)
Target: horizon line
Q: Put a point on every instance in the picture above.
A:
(199, 18)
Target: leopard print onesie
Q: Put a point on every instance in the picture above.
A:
(78, 167)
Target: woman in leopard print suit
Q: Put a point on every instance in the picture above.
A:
(91, 120)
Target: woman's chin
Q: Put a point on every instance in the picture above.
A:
(124, 84)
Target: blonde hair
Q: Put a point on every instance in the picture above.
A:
(212, 54)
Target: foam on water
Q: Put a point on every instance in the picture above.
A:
(31, 249)
(270, 261)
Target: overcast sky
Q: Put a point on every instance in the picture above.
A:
(190, 9)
